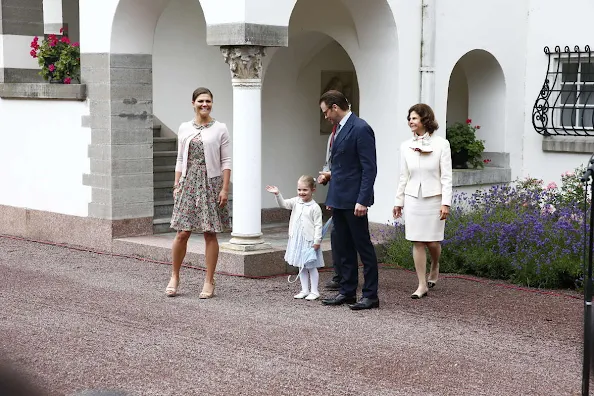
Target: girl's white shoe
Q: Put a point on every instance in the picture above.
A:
(301, 294)
(312, 296)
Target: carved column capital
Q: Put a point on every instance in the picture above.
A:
(245, 61)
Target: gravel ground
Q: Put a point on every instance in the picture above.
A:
(74, 321)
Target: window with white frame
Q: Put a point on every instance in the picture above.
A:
(575, 104)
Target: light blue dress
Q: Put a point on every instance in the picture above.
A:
(300, 252)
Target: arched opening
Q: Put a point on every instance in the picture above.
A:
(325, 38)
(477, 92)
(292, 126)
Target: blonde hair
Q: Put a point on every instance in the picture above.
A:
(309, 180)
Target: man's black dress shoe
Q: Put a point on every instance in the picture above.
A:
(339, 299)
(332, 285)
(365, 303)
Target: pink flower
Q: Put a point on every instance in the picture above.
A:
(67, 80)
(478, 127)
(548, 209)
(468, 121)
(61, 30)
(51, 67)
(486, 161)
(52, 43)
(76, 44)
(551, 186)
(65, 40)
(33, 53)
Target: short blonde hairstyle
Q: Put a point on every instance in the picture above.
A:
(309, 180)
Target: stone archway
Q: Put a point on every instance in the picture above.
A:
(477, 92)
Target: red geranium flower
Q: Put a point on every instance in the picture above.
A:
(65, 40)
(51, 67)
(468, 121)
(67, 80)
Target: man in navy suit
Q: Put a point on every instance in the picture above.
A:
(353, 171)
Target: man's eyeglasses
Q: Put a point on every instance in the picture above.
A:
(325, 112)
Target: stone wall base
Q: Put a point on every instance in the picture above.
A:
(73, 230)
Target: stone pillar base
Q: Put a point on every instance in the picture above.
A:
(246, 243)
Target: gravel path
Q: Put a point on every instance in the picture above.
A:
(75, 321)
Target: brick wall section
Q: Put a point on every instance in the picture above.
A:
(120, 96)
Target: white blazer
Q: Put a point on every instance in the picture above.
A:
(309, 214)
(429, 172)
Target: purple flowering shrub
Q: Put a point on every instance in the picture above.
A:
(525, 232)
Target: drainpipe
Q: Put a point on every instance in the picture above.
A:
(428, 52)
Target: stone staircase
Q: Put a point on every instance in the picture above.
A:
(164, 156)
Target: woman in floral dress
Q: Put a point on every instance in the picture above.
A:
(201, 189)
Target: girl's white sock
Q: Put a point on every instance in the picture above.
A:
(315, 278)
(304, 278)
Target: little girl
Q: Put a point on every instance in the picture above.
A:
(305, 235)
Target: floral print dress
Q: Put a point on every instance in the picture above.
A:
(195, 206)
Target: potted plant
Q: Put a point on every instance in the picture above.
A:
(58, 57)
(466, 148)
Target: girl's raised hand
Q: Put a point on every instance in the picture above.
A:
(272, 189)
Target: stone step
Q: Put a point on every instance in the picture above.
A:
(162, 190)
(164, 158)
(164, 144)
(164, 173)
(161, 225)
(156, 130)
(163, 208)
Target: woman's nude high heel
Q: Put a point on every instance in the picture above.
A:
(207, 290)
(171, 290)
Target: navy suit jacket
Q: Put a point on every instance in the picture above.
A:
(354, 166)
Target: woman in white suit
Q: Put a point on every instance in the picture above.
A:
(424, 192)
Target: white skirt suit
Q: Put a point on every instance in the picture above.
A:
(425, 184)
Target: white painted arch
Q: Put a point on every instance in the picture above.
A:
(477, 91)
(366, 33)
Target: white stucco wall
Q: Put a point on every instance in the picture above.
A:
(44, 159)
(14, 52)
(500, 29)
(382, 39)
(547, 29)
(183, 62)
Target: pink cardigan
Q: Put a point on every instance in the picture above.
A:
(217, 150)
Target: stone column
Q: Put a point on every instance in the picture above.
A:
(245, 63)
(20, 21)
(120, 98)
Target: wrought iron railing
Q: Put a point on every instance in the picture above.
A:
(565, 104)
